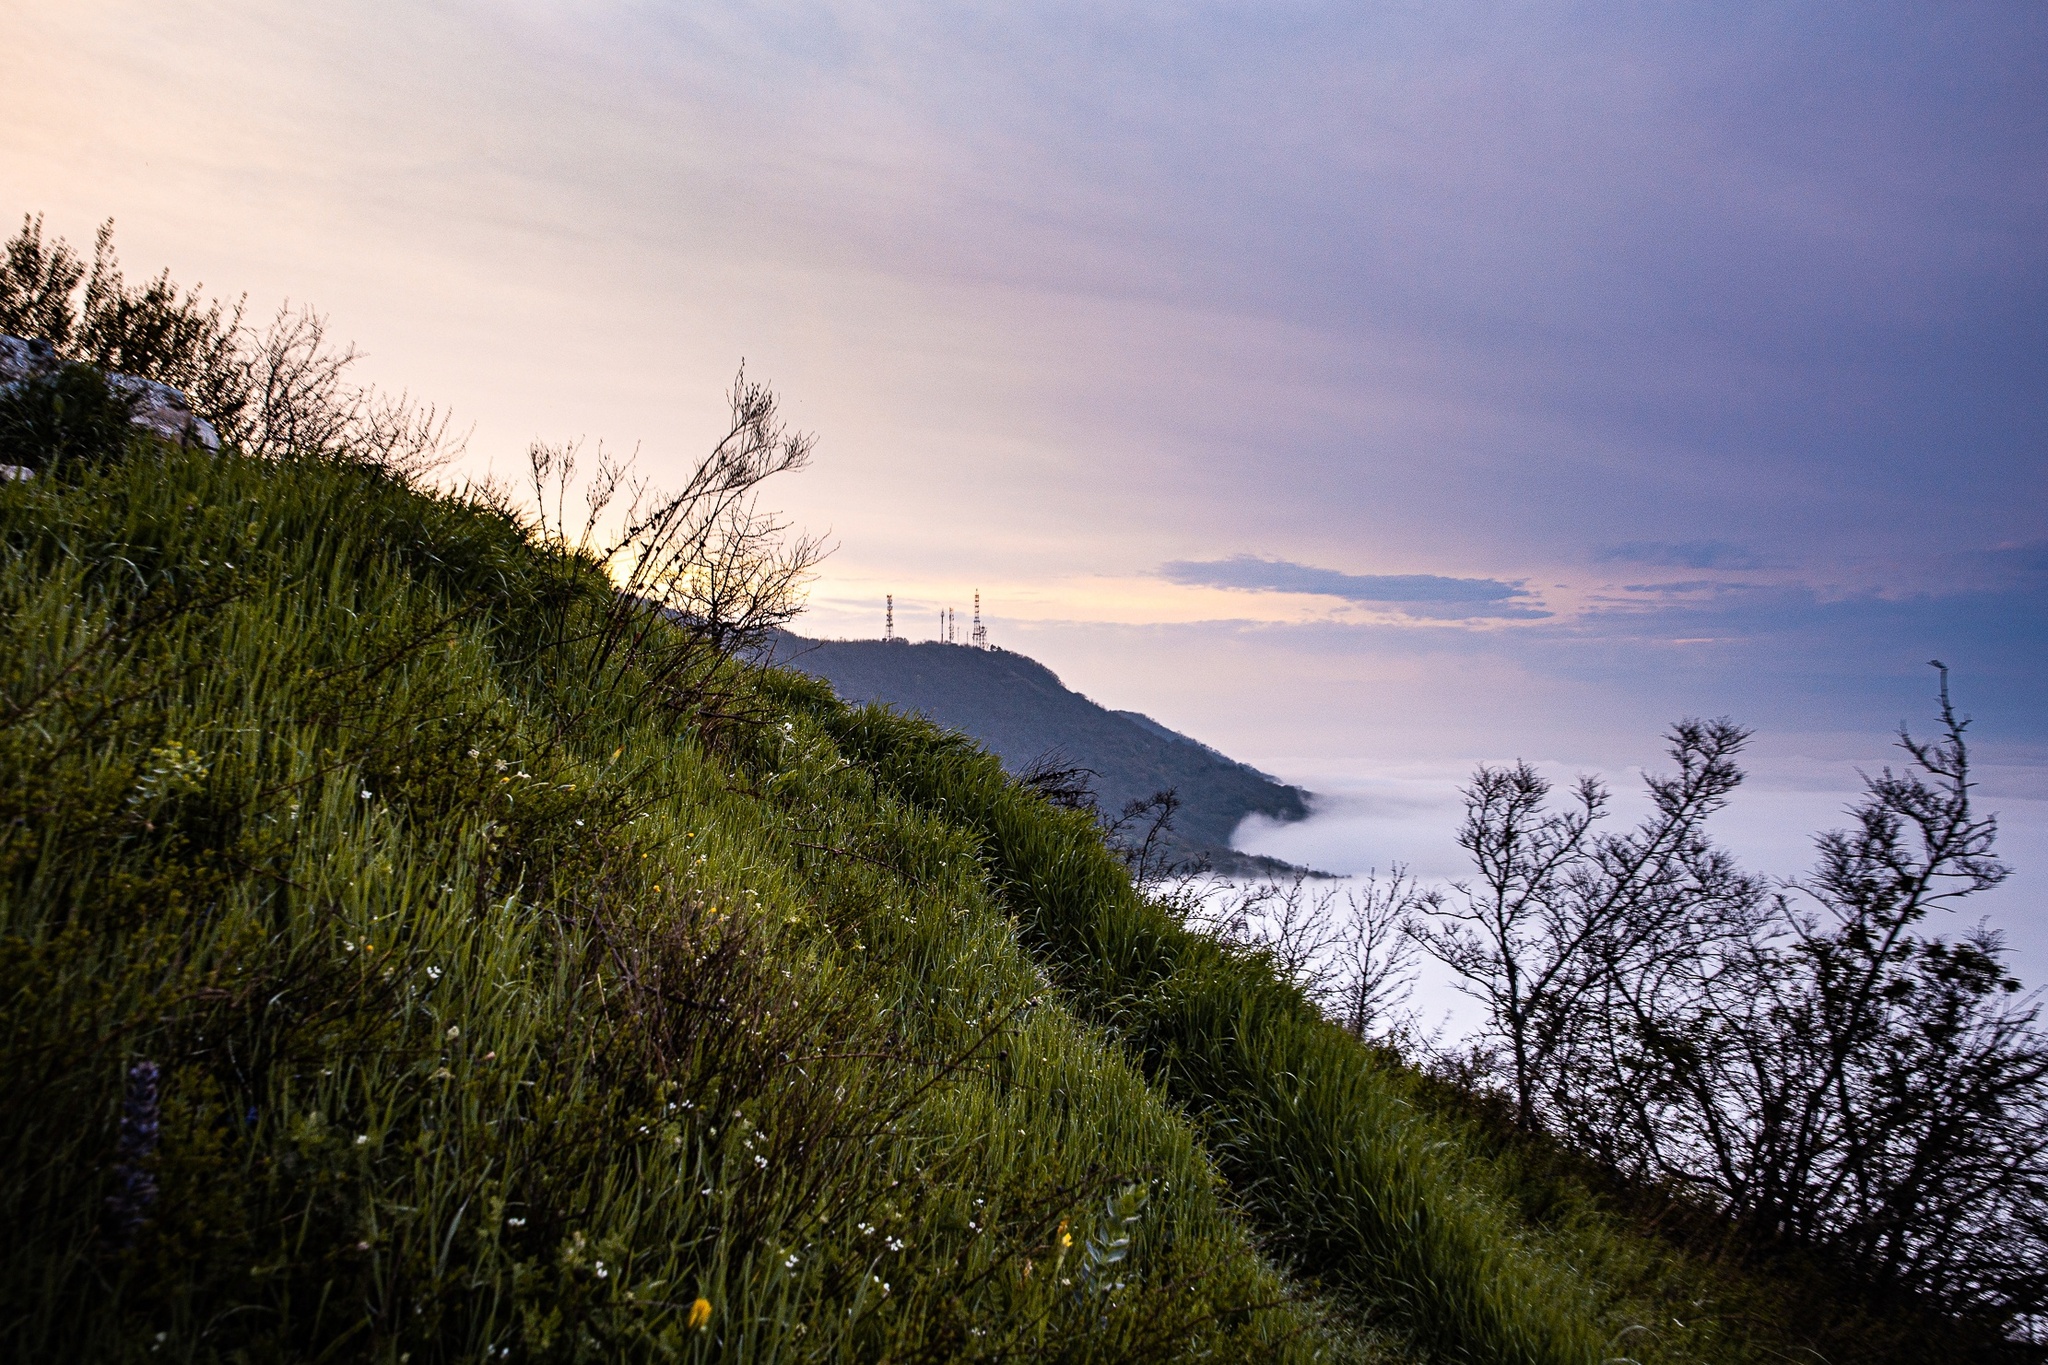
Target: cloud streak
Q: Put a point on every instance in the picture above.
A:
(1417, 594)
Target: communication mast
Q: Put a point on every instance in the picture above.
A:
(980, 636)
(889, 619)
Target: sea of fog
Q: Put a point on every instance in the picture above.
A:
(1408, 817)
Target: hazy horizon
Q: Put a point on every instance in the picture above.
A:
(1365, 393)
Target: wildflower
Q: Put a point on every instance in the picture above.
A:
(366, 793)
(362, 1139)
(515, 1222)
(602, 1273)
(700, 1315)
(134, 1185)
(454, 1031)
(1066, 1238)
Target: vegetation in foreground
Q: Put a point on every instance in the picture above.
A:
(384, 976)
(414, 948)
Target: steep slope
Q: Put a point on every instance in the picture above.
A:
(1019, 710)
(385, 977)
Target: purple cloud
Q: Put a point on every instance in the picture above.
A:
(1418, 594)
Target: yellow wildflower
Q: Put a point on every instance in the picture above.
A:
(700, 1314)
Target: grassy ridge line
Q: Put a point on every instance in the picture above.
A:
(1349, 1180)
(314, 838)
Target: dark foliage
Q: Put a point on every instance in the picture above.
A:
(1813, 1062)
(37, 279)
(69, 417)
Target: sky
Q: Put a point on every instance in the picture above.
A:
(1368, 390)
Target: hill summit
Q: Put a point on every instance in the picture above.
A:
(1019, 710)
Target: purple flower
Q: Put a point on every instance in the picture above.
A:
(134, 1185)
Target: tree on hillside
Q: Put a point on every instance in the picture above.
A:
(1556, 896)
(1811, 1058)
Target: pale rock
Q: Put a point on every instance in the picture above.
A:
(155, 407)
(163, 411)
(21, 358)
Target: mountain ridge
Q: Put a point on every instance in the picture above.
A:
(1020, 710)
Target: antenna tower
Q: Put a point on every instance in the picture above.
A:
(980, 636)
(889, 619)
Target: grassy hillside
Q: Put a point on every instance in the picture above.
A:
(1019, 710)
(390, 976)
(487, 1015)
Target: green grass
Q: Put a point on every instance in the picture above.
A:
(1334, 1162)
(505, 1006)
(498, 1020)
(1392, 1189)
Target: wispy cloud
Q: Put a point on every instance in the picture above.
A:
(1681, 554)
(1417, 594)
(2028, 558)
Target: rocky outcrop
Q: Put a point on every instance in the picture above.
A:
(22, 358)
(163, 411)
(155, 407)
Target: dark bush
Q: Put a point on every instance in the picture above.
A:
(67, 417)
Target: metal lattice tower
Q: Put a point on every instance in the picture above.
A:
(889, 619)
(980, 636)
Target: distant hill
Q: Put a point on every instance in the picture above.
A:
(1020, 710)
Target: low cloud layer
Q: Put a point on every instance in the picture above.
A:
(1418, 594)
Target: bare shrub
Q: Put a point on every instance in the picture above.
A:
(1058, 779)
(1351, 948)
(1142, 836)
(302, 404)
(701, 575)
(1377, 955)
(1807, 1058)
